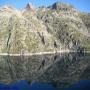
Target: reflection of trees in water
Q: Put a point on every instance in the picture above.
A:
(56, 68)
(15, 67)
(67, 69)
(11, 68)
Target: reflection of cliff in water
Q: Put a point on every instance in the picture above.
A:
(57, 69)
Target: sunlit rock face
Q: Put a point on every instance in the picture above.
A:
(57, 27)
(60, 70)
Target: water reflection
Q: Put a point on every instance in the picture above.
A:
(57, 69)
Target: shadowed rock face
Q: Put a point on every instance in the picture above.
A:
(60, 70)
(61, 6)
(29, 6)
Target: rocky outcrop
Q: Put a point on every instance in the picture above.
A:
(30, 6)
(61, 6)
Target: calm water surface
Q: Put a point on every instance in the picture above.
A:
(59, 70)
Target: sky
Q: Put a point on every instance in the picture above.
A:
(82, 5)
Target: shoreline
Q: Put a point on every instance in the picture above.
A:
(37, 53)
(41, 53)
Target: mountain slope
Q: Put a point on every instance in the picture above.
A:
(56, 27)
(22, 32)
(67, 24)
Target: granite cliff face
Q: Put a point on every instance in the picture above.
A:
(57, 27)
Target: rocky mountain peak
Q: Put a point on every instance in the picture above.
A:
(29, 6)
(60, 6)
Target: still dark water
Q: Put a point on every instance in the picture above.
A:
(49, 72)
